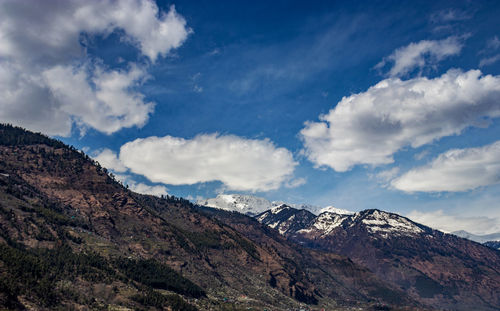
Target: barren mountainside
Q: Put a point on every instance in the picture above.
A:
(73, 237)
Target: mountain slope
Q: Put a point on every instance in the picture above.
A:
(436, 268)
(94, 244)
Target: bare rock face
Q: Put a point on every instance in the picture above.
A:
(438, 269)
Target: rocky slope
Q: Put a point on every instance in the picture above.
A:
(74, 238)
(439, 269)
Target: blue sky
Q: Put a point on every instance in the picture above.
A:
(352, 104)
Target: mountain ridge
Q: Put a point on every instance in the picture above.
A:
(58, 204)
(430, 265)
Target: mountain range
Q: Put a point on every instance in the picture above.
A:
(252, 205)
(432, 267)
(73, 237)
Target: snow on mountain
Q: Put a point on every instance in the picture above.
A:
(477, 238)
(375, 222)
(245, 204)
(325, 223)
(333, 209)
(286, 219)
(385, 223)
(252, 205)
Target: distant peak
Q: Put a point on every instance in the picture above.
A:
(245, 204)
(332, 209)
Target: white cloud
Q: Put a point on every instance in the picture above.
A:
(108, 105)
(369, 127)
(108, 159)
(297, 182)
(420, 54)
(240, 164)
(454, 170)
(57, 28)
(449, 223)
(146, 189)
(37, 66)
(489, 60)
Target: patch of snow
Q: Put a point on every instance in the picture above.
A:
(326, 223)
(245, 204)
(333, 209)
(277, 209)
(381, 222)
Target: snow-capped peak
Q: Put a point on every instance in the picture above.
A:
(245, 204)
(334, 210)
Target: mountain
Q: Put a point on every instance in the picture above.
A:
(333, 209)
(289, 220)
(252, 205)
(245, 204)
(478, 238)
(435, 268)
(493, 244)
(72, 237)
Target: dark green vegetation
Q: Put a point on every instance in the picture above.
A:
(157, 275)
(39, 273)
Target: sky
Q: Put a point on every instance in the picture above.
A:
(392, 105)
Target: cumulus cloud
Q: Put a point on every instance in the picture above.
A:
(108, 105)
(450, 223)
(39, 67)
(454, 170)
(240, 164)
(108, 159)
(369, 127)
(420, 54)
